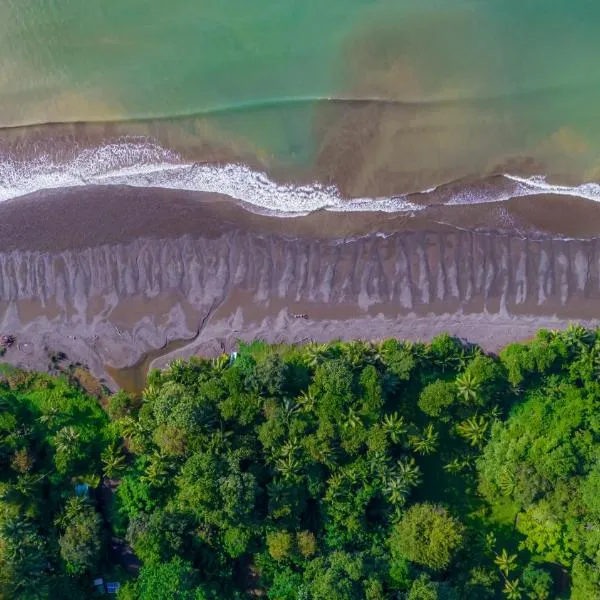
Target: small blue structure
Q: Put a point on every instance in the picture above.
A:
(82, 489)
(112, 587)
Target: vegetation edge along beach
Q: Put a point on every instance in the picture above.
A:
(343, 470)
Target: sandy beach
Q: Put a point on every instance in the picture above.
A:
(117, 276)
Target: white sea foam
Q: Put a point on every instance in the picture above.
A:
(141, 163)
(528, 186)
(145, 164)
(518, 187)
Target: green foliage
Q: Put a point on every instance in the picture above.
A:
(436, 398)
(52, 437)
(24, 571)
(174, 580)
(342, 471)
(120, 405)
(427, 535)
(538, 583)
(425, 589)
(80, 539)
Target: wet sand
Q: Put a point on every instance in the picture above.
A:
(107, 275)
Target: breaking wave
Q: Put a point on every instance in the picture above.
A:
(142, 163)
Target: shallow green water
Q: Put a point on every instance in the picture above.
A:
(433, 89)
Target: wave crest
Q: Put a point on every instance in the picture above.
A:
(143, 163)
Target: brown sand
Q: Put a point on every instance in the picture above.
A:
(109, 274)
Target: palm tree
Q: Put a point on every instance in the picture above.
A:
(489, 542)
(315, 354)
(397, 491)
(289, 409)
(177, 367)
(394, 426)
(473, 430)
(157, 471)
(379, 464)
(426, 442)
(506, 562)
(290, 447)
(287, 467)
(512, 589)
(506, 481)
(352, 419)
(357, 352)
(220, 440)
(468, 387)
(27, 484)
(457, 465)
(113, 460)
(409, 471)
(49, 417)
(65, 438)
(336, 490)
(327, 454)
(220, 363)
(151, 393)
(577, 336)
(307, 400)
(129, 426)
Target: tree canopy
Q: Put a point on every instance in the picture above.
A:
(345, 471)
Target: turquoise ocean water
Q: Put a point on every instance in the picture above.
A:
(377, 97)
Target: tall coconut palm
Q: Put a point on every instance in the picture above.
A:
(468, 387)
(315, 354)
(290, 408)
(424, 442)
(129, 426)
(506, 562)
(357, 353)
(506, 481)
(395, 426)
(512, 589)
(351, 419)
(220, 363)
(307, 400)
(113, 460)
(156, 473)
(290, 447)
(408, 471)
(473, 430)
(50, 416)
(65, 439)
(396, 491)
(287, 467)
(151, 393)
(457, 465)
(577, 336)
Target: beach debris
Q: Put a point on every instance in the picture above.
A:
(6, 341)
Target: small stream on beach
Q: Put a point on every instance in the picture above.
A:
(133, 379)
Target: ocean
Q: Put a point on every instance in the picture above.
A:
(297, 105)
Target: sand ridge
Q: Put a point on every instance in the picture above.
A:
(107, 282)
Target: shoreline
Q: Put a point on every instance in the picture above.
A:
(112, 275)
(85, 217)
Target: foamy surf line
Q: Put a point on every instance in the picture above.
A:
(145, 164)
(152, 166)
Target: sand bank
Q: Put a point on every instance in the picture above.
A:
(109, 274)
